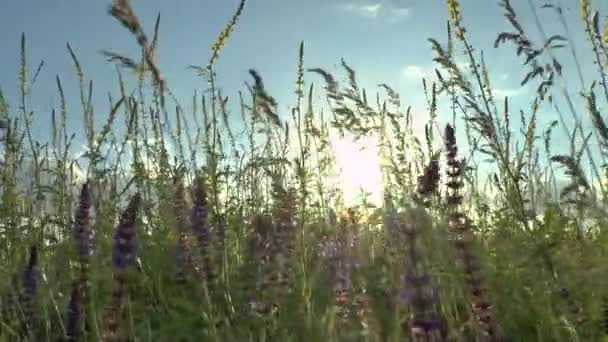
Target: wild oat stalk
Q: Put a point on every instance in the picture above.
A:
(123, 12)
(223, 37)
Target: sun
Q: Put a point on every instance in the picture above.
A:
(359, 169)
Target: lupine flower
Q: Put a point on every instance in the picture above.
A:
(200, 227)
(74, 314)
(82, 232)
(82, 235)
(282, 243)
(429, 181)
(125, 242)
(123, 257)
(460, 227)
(179, 209)
(426, 323)
(257, 283)
(339, 261)
(29, 284)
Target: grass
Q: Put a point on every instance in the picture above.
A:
(187, 229)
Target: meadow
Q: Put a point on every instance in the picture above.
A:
(186, 227)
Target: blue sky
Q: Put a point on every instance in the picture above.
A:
(384, 40)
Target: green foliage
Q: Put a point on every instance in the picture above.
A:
(241, 235)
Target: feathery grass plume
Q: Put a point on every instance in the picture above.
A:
(123, 258)
(123, 12)
(572, 169)
(121, 60)
(300, 76)
(223, 37)
(331, 85)
(74, 314)
(545, 71)
(594, 35)
(463, 239)
(455, 16)
(30, 279)
(263, 101)
(598, 122)
(393, 96)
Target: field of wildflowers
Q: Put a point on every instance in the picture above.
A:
(186, 228)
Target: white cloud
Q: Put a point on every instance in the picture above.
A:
(375, 10)
(415, 72)
(399, 13)
(368, 11)
(508, 92)
(371, 11)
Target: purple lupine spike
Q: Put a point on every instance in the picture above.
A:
(426, 322)
(282, 243)
(339, 262)
(74, 314)
(125, 243)
(123, 256)
(81, 231)
(462, 239)
(429, 181)
(30, 274)
(257, 284)
(200, 226)
(181, 251)
(428, 330)
(29, 284)
(83, 237)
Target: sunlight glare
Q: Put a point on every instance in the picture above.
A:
(359, 168)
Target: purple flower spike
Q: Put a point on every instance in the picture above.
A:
(125, 243)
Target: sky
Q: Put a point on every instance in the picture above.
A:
(385, 41)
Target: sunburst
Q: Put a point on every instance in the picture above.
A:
(359, 169)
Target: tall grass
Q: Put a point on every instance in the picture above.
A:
(185, 229)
